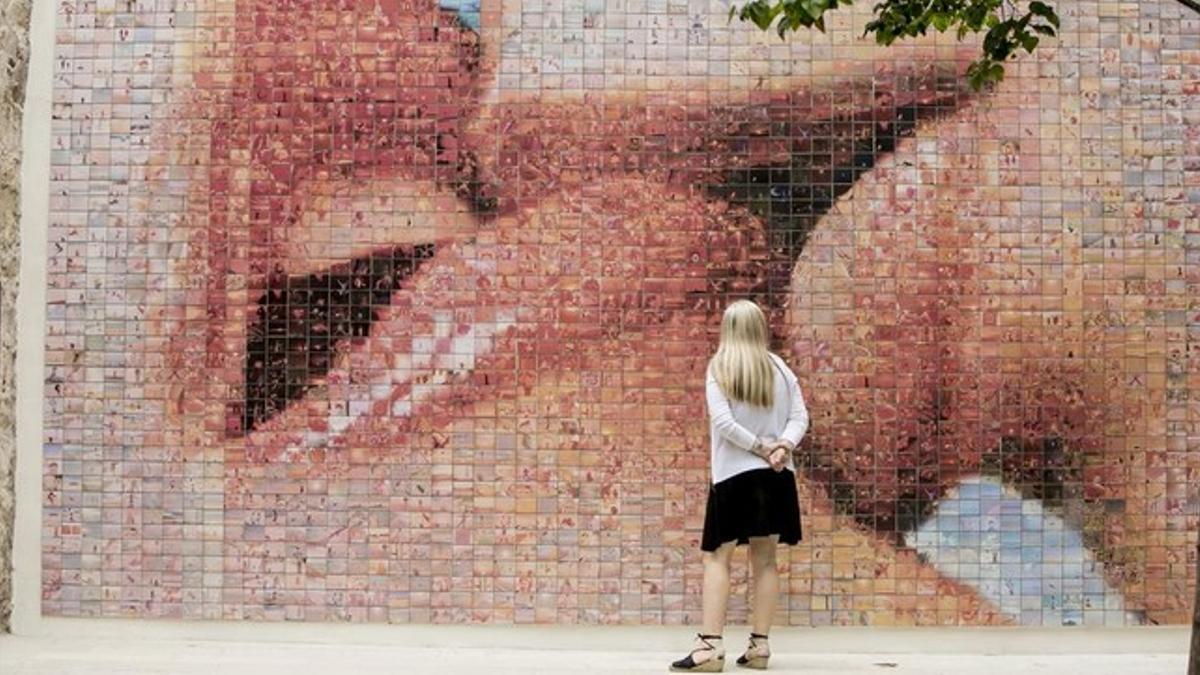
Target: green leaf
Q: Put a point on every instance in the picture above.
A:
(976, 75)
(1029, 42)
(983, 72)
(1045, 11)
(799, 16)
(760, 14)
(994, 38)
(998, 44)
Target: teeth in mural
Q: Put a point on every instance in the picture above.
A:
(442, 352)
(417, 380)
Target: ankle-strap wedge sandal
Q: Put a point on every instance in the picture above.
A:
(757, 654)
(711, 651)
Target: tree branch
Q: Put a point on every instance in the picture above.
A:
(1191, 4)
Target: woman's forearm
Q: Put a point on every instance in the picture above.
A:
(797, 424)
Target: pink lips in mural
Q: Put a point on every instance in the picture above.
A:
(344, 326)
(414, 277)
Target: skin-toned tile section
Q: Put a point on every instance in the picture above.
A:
(399, 310)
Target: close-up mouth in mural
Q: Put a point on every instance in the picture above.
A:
(450, 274)
(788, 173)
(302, 321)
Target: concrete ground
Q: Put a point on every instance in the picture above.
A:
(179, 648)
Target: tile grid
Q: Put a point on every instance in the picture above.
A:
(1007, 291)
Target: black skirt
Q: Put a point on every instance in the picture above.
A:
(756, 503)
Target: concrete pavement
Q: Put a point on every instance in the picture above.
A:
(161, 647)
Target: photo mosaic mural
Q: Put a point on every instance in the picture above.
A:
(398, 311)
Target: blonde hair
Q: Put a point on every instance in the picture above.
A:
(742, 365)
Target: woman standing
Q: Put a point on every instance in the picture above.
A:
(756, 417)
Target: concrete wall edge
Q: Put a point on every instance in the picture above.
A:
(31, 320)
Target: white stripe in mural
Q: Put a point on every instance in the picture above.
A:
(1028, 561)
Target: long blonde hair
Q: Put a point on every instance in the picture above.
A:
(742, 365)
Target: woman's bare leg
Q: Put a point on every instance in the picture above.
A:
(766, 581)
(716, 587)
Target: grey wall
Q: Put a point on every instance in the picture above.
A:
(14, 55)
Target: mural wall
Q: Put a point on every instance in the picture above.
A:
(398, 311)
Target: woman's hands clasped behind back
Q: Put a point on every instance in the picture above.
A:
(777, 454)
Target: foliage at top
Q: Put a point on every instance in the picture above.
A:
(1009, 27)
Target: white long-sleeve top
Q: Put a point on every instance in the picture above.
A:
(735, 426)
